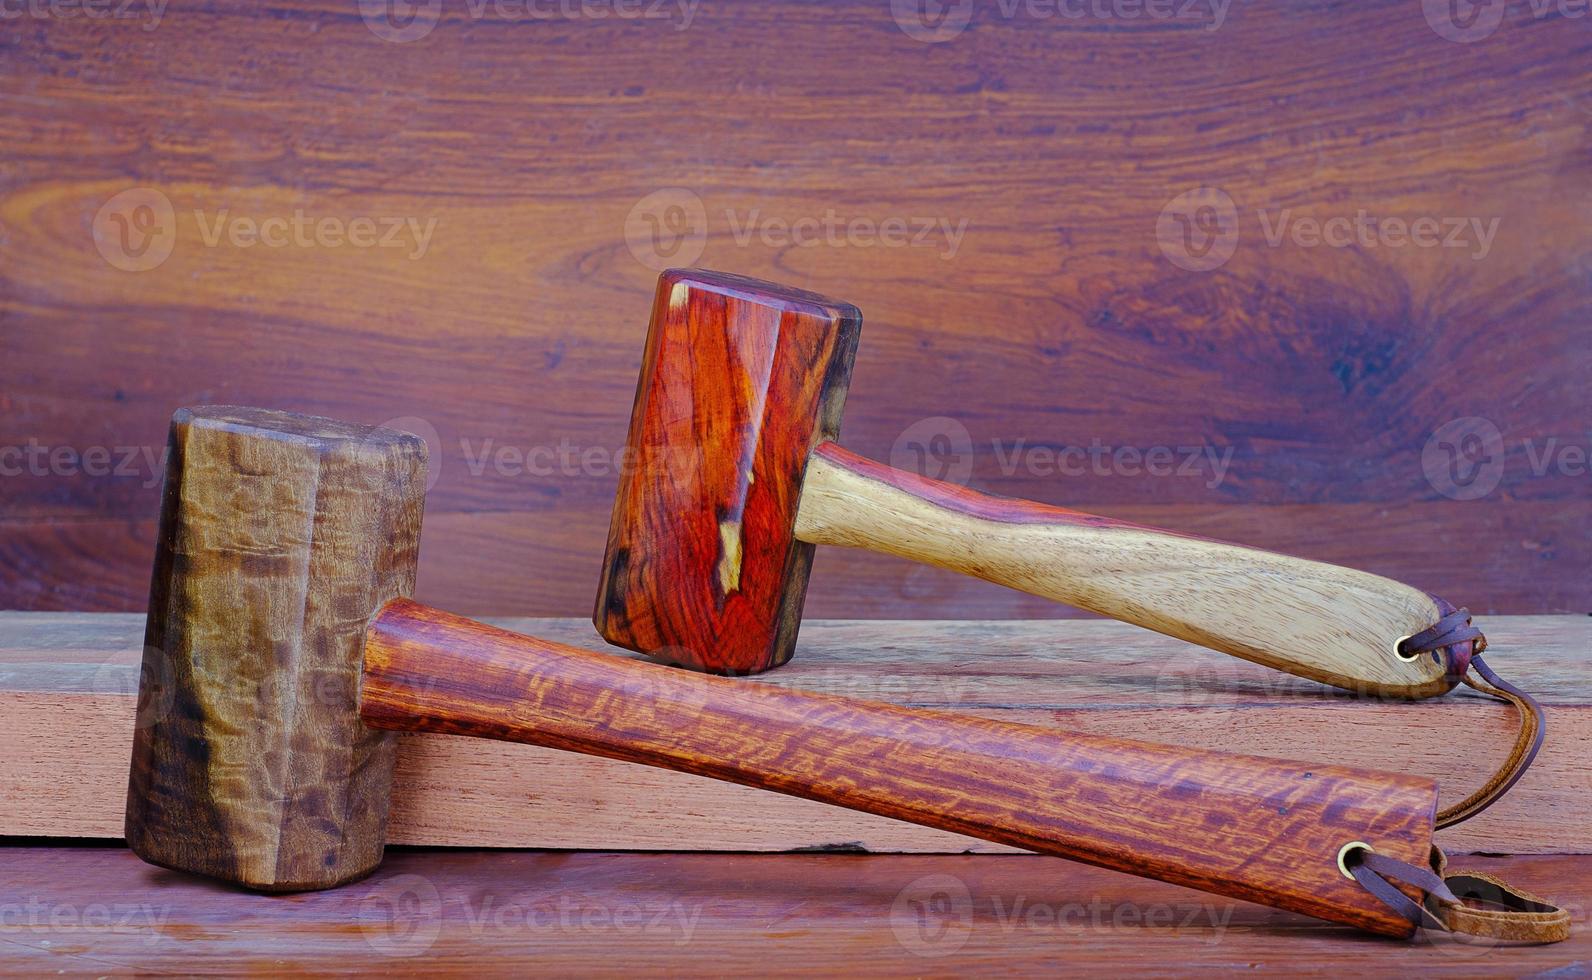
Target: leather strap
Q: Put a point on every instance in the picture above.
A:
(1471, 904)
(1468, 903)
(1449, 632)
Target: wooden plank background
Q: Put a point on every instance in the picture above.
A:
(69, 695)
(541, 150)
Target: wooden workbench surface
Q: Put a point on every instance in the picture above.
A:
(68, 684)
(66, 709)
(101, 911)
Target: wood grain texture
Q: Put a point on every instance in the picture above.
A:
(740, 380)
(279, 534)
(1057, 322)
(1263, 830)
(68, 684)
(1332, 624)
(472, 913)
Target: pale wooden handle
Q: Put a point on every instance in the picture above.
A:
(1325, 622)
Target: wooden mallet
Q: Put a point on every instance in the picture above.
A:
(731, 477)
(281, 656)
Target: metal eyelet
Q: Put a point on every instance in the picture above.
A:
(1406, 657)
(1346, 850)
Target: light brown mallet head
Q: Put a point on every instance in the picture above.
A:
(280, 537)
(740, 380)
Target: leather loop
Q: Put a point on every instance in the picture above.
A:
(1372, 871)
(1489, 908)
(1533, 726)
(1469, 903)
(1449, 632)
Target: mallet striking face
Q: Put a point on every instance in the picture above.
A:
(733, 476)
(280, 657)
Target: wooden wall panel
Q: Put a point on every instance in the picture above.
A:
(533, 143)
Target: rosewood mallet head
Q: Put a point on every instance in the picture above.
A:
(740, 381)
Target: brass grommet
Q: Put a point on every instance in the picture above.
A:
(1346, 850)
(1406, 657)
